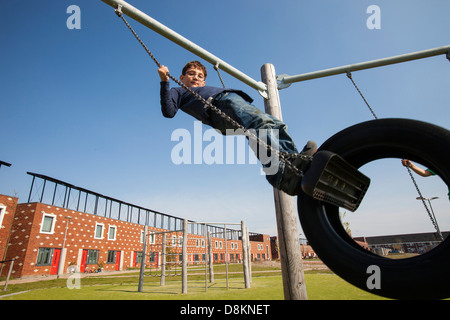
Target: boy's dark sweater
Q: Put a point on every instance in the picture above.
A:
(174, 99)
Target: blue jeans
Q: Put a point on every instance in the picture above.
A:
(251, 117)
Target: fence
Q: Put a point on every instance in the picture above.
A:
(165, 247)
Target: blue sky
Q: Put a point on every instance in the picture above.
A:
(82, 105)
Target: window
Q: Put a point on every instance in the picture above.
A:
(92, 257)
(151, 238)
(98, 231)
(180, 241)
(44, 257)
(138, 256)
(216, 244)
(174, 241)
(111, 256)
(2, 214)
(112, 233)
(48, 223)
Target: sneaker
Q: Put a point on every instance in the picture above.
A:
(291, 181)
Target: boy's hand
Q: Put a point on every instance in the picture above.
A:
(406, 163)
(163, 71)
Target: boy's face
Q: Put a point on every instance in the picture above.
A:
(193, 78)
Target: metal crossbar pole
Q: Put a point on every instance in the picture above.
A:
(217, 223)
(161, 29)
(285, 80)
(170, 231)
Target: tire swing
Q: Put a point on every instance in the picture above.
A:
(423, 277)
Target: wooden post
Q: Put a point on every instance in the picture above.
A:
(245, 254)
(163, 260)
(226, 253)
(205, 238)
(210, 261)
(142, 270)
(184, 254)
(9, 274)
(286, 213)
(249, 256)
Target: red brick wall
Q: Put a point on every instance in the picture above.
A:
(27, 238)
(260, 247)
(20, 230)
(8, 207)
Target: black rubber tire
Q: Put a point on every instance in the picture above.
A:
(423, 277)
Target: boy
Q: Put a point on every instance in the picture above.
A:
(237, 105)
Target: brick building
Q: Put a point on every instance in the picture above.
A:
(7, 210)
(85, 231)
(306, 250)
(411, 243)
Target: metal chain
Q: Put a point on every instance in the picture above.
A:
(349, 75)
(216, 67)
(282, 155)
(425, 205)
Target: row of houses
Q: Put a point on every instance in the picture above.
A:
(413, 243)
(46, 239)
(63, 228)
(86, 232)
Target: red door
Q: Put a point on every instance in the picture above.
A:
(117, 260)
(55, 261)
(134, 259)
(83, 261)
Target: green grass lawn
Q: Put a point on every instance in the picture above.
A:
(319, 287)
(264, 286)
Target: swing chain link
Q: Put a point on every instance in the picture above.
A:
(433, 221)
(282, 155)
(349, 75)
(216, 67)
